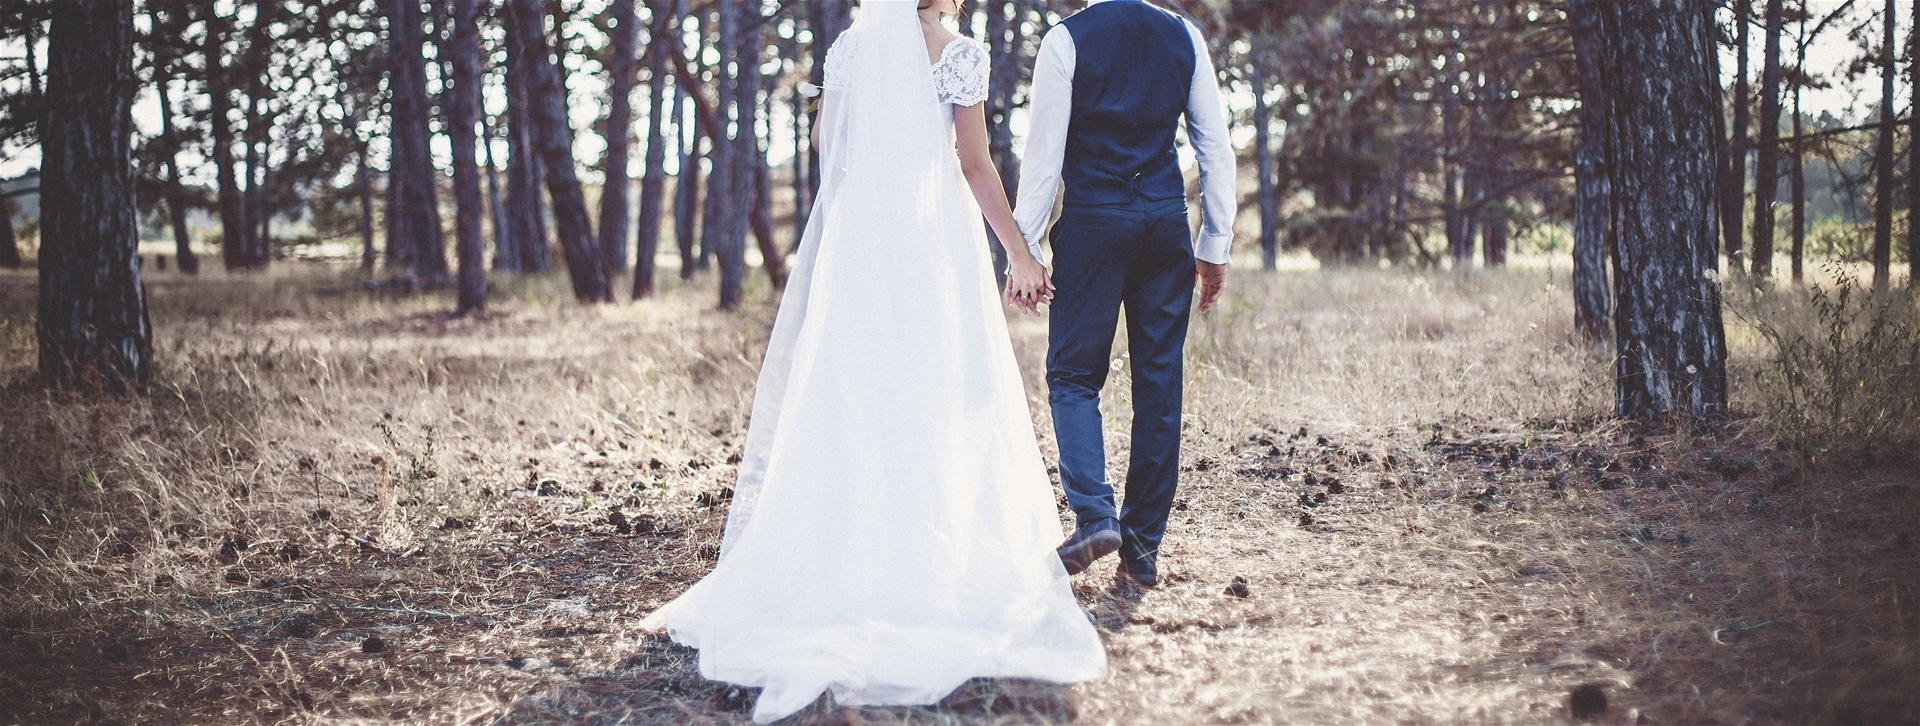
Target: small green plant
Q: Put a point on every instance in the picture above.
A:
(1845, 369)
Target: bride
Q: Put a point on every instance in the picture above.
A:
(892, 531)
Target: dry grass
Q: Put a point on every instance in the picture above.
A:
(1411, 473)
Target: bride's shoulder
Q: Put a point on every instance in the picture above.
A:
(961, 50)
(836, 68)
(960, 75)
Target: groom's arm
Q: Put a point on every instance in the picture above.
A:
(1049, 113)
(1207, 131)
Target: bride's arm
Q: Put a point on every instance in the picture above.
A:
(1027, 283)
(829, 113)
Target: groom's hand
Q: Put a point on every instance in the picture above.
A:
(1212, 279)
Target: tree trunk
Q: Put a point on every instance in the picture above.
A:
(93, 328)
(362, 188)
(1733, 191)
(828, 19)
(753, 186)
(524, 248)
(363, 180)
(1913, 154)
(163, 61)
(729, 213)
(653, 184)
(254, 64)
(413, 214)
(1799, 175)
(1669, 342)
(1004, 41)
(1263, 168)
(686, 194)
(802, 205)
(554, 141)
(1593, 206)
(713, 196)
(1766, 186)
(1493, 234)
(233, 223)
(1883, 160)
(9, 245)
(496, 213)
(463, 114)
(613, 195)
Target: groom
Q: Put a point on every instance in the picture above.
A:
(1109, 90)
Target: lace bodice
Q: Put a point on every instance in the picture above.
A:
(959, 77)
(836, 75)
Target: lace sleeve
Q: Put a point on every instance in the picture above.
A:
(960, 78)
(836, 68)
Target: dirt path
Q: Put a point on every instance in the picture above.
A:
(1398, 506)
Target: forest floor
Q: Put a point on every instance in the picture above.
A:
(1403, 502)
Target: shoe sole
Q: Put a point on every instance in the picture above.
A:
(1093, 548)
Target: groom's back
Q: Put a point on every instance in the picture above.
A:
(1133, 70)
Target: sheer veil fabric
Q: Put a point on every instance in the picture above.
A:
(891, 533)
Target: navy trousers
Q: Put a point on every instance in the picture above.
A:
(1139, 258)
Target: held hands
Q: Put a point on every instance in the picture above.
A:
(1027, 284)
(1212, 280)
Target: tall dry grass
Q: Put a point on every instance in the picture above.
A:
(1403, 502)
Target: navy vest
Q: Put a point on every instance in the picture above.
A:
(1132, 73)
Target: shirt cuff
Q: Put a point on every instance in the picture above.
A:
(1032, 247)
(1214, 248)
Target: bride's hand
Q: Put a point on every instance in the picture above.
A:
(1027, 285)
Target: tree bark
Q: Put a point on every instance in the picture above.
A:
(686, 195)
(1004, 41)
(1799, 171)
(1766, 187)
(753, 185)
(802, 204)
(1263, 168)
(413, 214)
(233, 223)
(9, 245)
(731, 168)
(253, 200)
(496, 213)
(1593, 205)
(1913, 154)
(463, 114)
(554, 141)
(613, 196)
(93, 328)
(1883, 160)
(1733, 191)
(176, 199)
(1669, 341)
(716, 203)
(828, 19)
(363, 190)
(524, 248)
(653, 183)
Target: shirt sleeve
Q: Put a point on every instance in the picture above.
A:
(1213, 150)
(1049, 113)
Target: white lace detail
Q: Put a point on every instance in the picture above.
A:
(836, 68)
(960, 77)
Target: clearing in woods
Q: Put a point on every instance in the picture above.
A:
(1403, 502)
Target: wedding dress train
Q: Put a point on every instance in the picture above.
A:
(892, 529)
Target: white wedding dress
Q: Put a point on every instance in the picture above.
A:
(892, 529)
